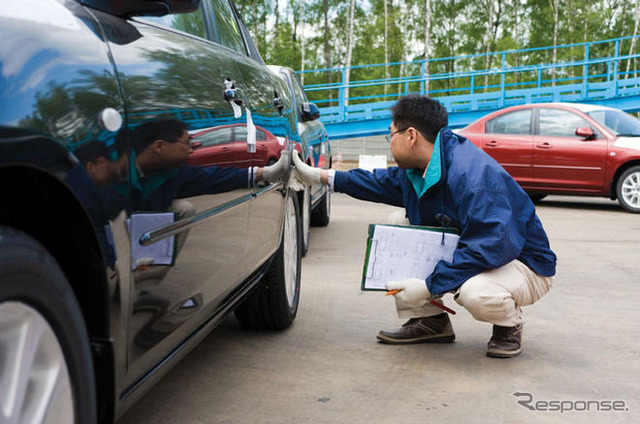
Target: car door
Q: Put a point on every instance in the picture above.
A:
(267, 102)
(508, 139)
(187, 239)
(563, 161)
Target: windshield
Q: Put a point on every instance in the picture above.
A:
(619, 122)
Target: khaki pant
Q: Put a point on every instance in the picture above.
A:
(494, 296)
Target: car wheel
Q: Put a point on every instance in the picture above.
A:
(274, 303)
(628, 189)
(47, 372)
(321, 213)
(305, 219)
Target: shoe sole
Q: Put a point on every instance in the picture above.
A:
(495, 353)
(443, 339)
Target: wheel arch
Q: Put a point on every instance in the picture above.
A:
(41, 205)
(614, 181)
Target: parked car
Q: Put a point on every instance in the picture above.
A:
(116, 258)
(226, 145)
(565, 148)
(316, 200)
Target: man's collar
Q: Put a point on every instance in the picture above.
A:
(422, 182)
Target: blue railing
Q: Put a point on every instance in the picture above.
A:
(596, 72)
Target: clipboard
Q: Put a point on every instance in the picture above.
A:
(398, 252)
(162, 252)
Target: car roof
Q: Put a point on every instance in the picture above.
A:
(583, 107)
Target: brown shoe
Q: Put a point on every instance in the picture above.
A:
(436, 329)
(506, 342)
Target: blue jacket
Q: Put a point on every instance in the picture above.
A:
(156, 191)
(496, 218)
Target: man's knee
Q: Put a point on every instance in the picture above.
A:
(485, 303)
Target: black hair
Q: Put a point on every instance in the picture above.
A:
(425, 114)
(163, 129)
(91, 151)
(121, 141)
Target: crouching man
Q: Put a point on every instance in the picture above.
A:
(503, 260)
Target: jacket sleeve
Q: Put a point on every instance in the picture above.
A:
(381, 185)
(211, 180)
(493, 233)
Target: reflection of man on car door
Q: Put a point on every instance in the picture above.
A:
(161, 150)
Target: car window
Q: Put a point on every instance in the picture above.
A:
(214, 138)
(191, 23)
(617, 121)
(298, 91)
(518, 122)
(241, 134)
(562, 123)
(226, 29)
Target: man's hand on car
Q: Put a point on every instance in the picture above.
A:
(279, 171)
(306, 174)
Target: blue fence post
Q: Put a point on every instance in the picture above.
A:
(615, 68)
(585, 73)
(502, 76)
(423, 68)
(539, 76)
(341, 94)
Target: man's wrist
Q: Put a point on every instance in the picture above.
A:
(331, 176)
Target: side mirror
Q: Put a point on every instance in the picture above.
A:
(310, 112)
(196, 144)
(586, 133)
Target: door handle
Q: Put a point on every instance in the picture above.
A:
(491, 143)
(232, 93)
(544, 145)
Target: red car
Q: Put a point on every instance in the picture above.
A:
(565, 148)
(226, 145)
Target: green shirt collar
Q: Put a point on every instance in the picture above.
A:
(424, 181)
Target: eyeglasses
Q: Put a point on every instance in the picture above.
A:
(388, 137)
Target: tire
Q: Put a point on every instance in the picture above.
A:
(43, 339)
(322, 212)
(536, 197)
(274, 303)
(628, 189)
(305, 219)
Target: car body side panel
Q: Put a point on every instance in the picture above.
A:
(562, 163)
(513, 152)
(563, 160)
(261, 89)
(168, 75)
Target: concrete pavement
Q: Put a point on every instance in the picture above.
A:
(581, 343)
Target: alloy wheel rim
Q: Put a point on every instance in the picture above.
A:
(306, 216)
(37, 386)
(290, 251)
(631, 190)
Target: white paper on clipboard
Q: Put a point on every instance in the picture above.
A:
(396, 253)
